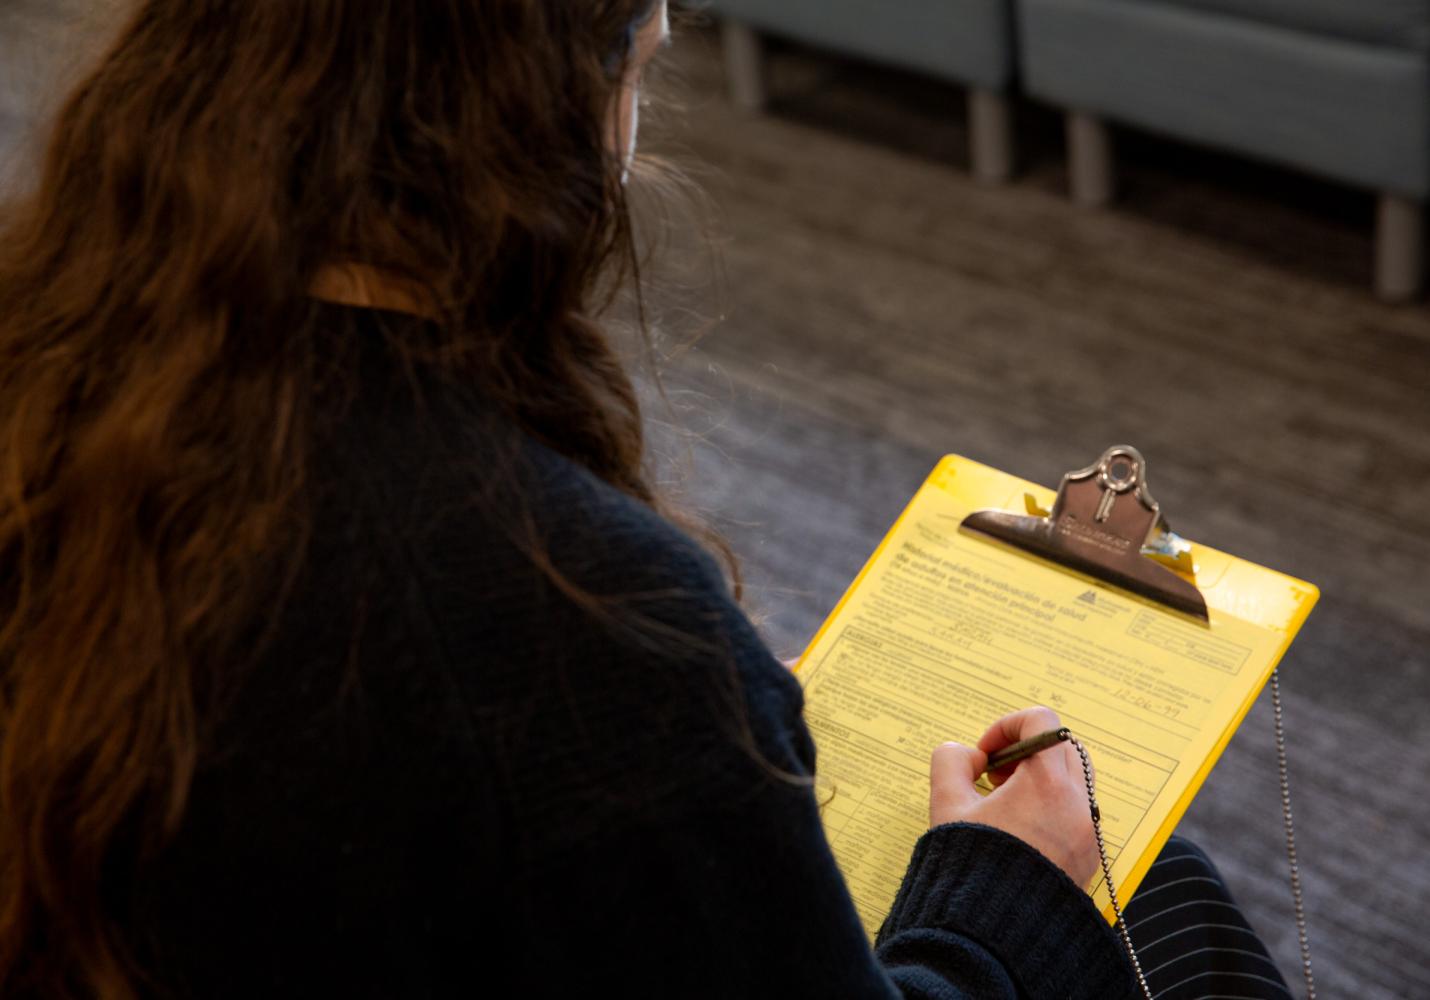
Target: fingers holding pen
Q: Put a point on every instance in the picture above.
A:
(1051, 763)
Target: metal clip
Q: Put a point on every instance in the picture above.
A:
(1100, 525)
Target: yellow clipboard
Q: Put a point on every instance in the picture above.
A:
(968, 611)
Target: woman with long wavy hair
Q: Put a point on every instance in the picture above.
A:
(346, 647)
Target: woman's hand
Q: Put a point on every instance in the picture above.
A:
(1041, 800)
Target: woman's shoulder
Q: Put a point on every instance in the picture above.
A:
(544, 592)
(511, 541)
(432, 463)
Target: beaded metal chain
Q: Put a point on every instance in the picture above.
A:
(1107, 864)
(1290, 851)
(1291, 840)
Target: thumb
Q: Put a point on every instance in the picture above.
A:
(952, 771)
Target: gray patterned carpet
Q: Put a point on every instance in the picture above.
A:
(879, 309)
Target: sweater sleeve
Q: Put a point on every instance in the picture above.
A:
(656, 793)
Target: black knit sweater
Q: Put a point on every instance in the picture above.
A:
(520, 741)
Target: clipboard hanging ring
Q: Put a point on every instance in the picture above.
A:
(1110, 479)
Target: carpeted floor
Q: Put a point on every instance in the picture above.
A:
(879, 309)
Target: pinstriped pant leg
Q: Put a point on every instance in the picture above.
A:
(1192, 939)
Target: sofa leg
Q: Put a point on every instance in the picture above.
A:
(744, 64)
(1399, 248)
(1090, 161)
(990, 135)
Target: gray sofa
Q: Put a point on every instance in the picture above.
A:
(969, 42)
(1339, 88)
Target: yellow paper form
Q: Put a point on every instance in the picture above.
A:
(944, 632)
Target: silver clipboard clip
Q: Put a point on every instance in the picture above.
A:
(1106, 524)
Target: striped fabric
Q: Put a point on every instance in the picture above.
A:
(1191, 938)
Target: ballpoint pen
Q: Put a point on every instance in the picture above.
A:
(1024, 749)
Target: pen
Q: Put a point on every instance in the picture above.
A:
(1024, 749)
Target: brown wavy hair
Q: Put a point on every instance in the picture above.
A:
(159, 357)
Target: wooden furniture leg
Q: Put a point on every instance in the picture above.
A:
(990, 135)
(1399, 248)
(1091, 167)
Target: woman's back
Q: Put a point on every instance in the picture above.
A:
(433, 732)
